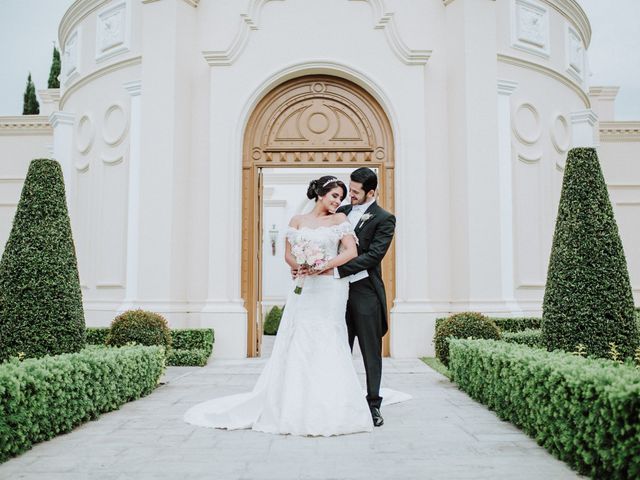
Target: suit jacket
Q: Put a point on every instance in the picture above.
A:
(374, 238)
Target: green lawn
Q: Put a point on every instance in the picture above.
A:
(437, 366)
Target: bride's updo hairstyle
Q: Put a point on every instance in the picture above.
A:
(323, 185)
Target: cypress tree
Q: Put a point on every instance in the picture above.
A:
(30, 104)
(40, 298)
(588, 297)
(55, 70)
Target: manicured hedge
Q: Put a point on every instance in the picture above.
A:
(191, 347)
(97, 336)
(515, 324)
(41, 398)
(585, 411)
(462, 325)
(530, 337)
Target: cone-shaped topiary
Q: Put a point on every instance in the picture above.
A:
(588, 294)
(40, 299)
(54, 72)
(30, 105)
(463, 325)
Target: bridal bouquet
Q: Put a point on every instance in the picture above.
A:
(310, 255)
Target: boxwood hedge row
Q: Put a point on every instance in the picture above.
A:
(191, 346)
(583, 410)
(41, 398)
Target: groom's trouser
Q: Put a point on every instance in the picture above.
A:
(364, 320)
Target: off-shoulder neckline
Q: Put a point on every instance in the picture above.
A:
(321, 227)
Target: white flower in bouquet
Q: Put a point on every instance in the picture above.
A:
(310, 255)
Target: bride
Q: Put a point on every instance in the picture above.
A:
(309, 385)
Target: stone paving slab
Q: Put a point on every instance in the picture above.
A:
(440, 434)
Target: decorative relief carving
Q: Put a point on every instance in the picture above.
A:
(529, 159)
(115, 124)
(384, 21)
(527, 125)
(530, 27)
(111, 31)
(70, 56)
(575, 54)
(85, 133)
(560, 133)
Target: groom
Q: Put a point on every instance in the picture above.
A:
(367, 305)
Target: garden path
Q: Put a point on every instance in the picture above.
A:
(440, 434)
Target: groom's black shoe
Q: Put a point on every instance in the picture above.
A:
(378, 421)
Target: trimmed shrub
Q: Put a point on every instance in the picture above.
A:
(506, 324)
(272, 322)
(192, 339)
(191, 347)
(463, 325)
(585, 411)
(141, 327)
(30, 105)
(40, 299)
(195, 357)
(588, 296)
(97, 336)
(530, 337)
(41, 398)
(517, 324)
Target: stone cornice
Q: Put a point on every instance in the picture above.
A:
(519, 62)
(97, 74)
(25, 125)
(79, 10)
(606, 93)
(572, 11)
(61, 118)
(620, 131)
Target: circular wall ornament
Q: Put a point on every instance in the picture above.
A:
(318, 87)
(526, 123)
(318, 122)
(115, 124)
(85, 133)
(560, 133)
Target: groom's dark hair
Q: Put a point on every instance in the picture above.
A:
(366, 177)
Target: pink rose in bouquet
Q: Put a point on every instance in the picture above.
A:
(310, 255)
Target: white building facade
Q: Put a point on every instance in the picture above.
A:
(483, 98)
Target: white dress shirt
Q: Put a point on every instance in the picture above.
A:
(356, 213)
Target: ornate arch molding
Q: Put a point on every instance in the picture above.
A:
(311, 121)
(250, 21)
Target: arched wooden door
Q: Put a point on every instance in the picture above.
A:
(313, 121)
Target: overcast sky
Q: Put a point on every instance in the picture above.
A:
(28, 29)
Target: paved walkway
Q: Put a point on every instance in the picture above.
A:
(440, 434)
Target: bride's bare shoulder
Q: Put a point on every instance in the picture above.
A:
(295, 221)
(339, 218)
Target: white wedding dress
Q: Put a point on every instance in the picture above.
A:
(309, 385)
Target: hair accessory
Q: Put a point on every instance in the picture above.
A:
(331, 180)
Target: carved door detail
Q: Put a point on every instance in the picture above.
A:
(315, 121)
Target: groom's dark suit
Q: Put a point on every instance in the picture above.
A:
(367, 305)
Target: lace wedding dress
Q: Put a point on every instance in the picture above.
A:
(309, 385)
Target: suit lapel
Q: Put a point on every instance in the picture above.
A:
(370, 211)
